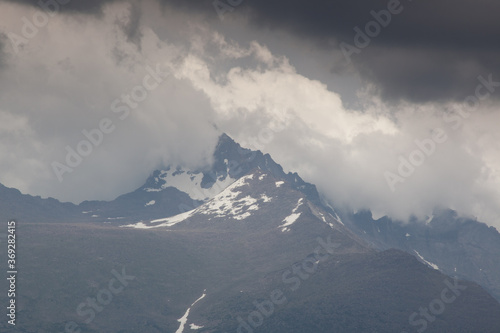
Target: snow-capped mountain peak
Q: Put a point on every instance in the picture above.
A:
(231, 162)
(232, 202)
(257, 198)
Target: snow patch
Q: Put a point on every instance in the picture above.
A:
(139, 225)
(165, 222)
(195, 327)
(407, 235)
(429, 220)
(321, 216)
(290, 219)
(266, 198)
(278, 184)
(336, 217)
(331, 225)
(152, 202)
(436, 267)
(170, 221)
(190, 182)
(299, 203)
(228, 203)
(253, 207)
(183, 319)
(339, 220)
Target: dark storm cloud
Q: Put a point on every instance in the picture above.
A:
(430, 51)
(439, 23)
(427, 74)
(80, 6)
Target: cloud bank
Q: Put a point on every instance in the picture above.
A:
(167, 74)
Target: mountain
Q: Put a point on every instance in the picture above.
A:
(24, 207)
(388, 291)
(454, 245)
(242, 206)
(253, 193)
(257, 257)
(458, 246)
(176, 189)
(239, 246)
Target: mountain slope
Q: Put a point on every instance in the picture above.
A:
(454, 245)
(245, 202)
(388, 291)
(224, 261)
(243, 205)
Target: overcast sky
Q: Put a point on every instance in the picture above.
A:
(386, 105)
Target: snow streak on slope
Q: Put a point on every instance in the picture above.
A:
(436, 267)
(195, 327)
(266, 198)
(166, 222)
(324, 216)
(230, 204)
(170, 221)
(189, 182)
(337, 217)
(139, 225)
(183, 319)
(289, 220)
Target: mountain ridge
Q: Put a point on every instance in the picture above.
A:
(468, 249)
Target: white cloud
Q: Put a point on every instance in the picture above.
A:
(65, 80)
(346, 152)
